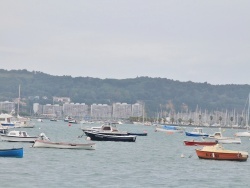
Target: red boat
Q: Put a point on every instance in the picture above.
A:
(199, 143)
(217, 152)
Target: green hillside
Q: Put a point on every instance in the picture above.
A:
(159, 94)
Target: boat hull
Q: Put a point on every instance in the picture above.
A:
(18, 139)
(104, 137)
(195, 134)
(236, 156)
(13, 152)
(243, 134)
(229, 140)
(8, 124)
(199, 143)
(61, 145)
(137, 134)
(157, 129)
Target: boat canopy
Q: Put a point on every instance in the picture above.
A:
(18, 133)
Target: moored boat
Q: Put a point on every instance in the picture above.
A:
(18, 136)
(95, 135)
(53, 119)
(63, 145)
(199, 143)
(22, 122)
(224, 140)
(12, 152)
(6, 120)
(243, 134)
(138, 133)
(169, 129)
(68, 118)
(106, 129)
(111, 129)
(73, 121)
(217, 152)
(196, 132)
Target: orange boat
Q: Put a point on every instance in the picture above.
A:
(199, 143)
(217, 152)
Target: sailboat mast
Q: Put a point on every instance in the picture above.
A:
(18, 100)
(247, 118)
(143, 111)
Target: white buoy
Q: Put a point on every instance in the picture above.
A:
(182, 155)
(88, 138)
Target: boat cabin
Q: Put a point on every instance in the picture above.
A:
(198, 130)
(216, 135)
(108, 127)
(18, 133)
(6, 120)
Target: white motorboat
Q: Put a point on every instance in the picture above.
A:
(90, 128)
(44, 142)
(18, 136)
(24, 124)
(62, 145)
(243, 134)
(6, 120)
(72, 121)
(107, 129)
(224, 140)
(39, 120)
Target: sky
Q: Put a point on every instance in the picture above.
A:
(184, 40)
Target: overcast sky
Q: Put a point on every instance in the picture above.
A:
(185, 40)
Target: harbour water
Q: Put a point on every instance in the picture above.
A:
(152, 161)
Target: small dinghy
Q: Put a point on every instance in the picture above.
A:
(13, 152)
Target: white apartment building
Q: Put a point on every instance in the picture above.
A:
(100, 111)
(122, 110)
(37, 108)
(96, 111)
(75, 110)
(52, 110)
(7, 106)
(137, 110)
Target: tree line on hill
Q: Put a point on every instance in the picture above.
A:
(158, 94)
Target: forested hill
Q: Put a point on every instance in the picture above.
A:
(157, 93)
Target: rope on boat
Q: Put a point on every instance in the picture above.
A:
(80, 136)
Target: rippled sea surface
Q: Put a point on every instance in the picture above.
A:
(152, 161)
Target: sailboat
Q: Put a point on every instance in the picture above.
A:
(22, 122)
(245, 133)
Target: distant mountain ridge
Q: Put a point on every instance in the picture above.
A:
(158, 94)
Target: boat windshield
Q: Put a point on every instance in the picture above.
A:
(106, 128)
(24, 134)
(217, 135)
(199, 130)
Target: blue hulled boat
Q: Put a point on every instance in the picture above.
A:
(196, 132)
(170, 129)
(13, 152)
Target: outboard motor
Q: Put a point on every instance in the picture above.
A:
(42, 136)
